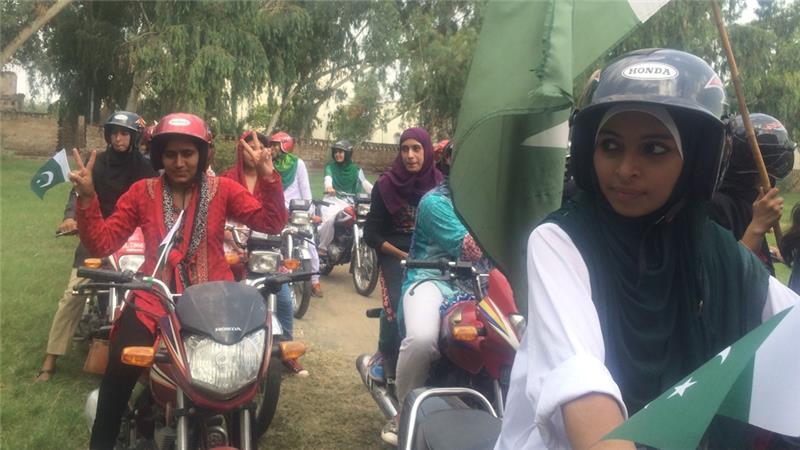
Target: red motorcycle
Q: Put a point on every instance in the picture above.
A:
(215, 367)
(478, 340)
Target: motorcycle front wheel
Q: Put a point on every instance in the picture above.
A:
(267, 399)
(365, 275)
(301, 298)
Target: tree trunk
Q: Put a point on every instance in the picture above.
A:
(35, 26)
(284, 101)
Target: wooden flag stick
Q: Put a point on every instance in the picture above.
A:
(748, 126)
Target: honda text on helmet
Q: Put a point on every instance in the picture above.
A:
(777, 149)
(283, 139)
(682, 83)
(127, 121)
(180, 125)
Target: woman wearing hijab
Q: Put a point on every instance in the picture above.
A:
(631, 285)
(180, 147)
(388, 229)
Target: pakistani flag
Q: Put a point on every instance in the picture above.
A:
(755, 380)
(508, 169)
(54, 171)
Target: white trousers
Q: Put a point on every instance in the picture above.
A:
(329, 213)
(420, 347)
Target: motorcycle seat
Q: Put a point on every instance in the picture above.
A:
(466, 429)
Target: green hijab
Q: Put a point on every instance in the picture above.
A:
(344, 175)
(286, 165)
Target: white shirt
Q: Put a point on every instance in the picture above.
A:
(562, 353)
(300, 187)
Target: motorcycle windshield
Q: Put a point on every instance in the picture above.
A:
(223, 310)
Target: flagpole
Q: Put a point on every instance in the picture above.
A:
(748, 126)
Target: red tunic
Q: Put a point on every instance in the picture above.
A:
(142, 207)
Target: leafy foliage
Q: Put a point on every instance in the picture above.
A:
(356, 120)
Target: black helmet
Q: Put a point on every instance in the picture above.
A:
(777, 148)
(127, 120)
(682, 83)
(346, 147)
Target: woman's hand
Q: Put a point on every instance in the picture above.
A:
(82, 178)
(767, 210)
(69, 225)
(330, 191)
(261, 157)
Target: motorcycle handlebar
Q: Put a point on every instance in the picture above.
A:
(66, 233)
(439, 264)
(274, 282)
(132, 286)
(106, 275)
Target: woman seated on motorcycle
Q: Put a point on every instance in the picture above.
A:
(244, 172)
(630, 285)
(296, 185)
(342, 176)
(439, 234)
(388, 230)
(180, 147)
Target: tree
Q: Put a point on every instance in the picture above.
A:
(768, 57)
(44, 16)
(356, 120)
(435, 54)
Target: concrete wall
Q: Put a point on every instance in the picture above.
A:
(28, 133)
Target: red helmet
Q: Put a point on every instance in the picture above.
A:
(438, 149)
(179, 124)
(283, 138)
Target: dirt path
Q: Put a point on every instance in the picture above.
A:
(331, 409)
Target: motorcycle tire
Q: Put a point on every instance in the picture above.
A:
(365, 277)
(325, 267)
(302, 298)
(268, 392)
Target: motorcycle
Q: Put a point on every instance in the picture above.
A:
(478, 339)
(262, 252)
(103, 306)
(215, 367)
(348, 246)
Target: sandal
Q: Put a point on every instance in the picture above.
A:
(44, 375)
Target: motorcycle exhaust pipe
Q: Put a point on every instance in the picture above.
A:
(380, 394)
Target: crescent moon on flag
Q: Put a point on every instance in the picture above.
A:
(49, 176)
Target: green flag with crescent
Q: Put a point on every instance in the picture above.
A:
(55, 171)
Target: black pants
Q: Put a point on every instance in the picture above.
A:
(118, 381)
(391, 285)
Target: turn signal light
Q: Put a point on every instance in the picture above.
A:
(465, 332)
(292, 350)
(93, 263)
(138, 356)
(291, 264)
(232, 258)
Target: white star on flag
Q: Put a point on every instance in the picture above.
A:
(724, 354)
(680, 389)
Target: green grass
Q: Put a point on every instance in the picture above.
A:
(34, 269)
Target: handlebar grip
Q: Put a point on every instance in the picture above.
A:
(374, 313)
(106, 275)
(439, 264)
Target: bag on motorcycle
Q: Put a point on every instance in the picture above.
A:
(97, 359)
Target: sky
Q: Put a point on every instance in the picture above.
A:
(24, 88)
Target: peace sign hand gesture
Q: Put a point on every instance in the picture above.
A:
(261, 156)
(82, 178)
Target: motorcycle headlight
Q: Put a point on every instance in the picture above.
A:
(300, 218)
(131, 262)
(363, 209)
(224, 369)
(261, 261)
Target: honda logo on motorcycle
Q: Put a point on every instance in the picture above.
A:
(228, 329)
(650, 71)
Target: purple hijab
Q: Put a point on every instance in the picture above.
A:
(398, 186)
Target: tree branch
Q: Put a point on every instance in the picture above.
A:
(35, 26)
